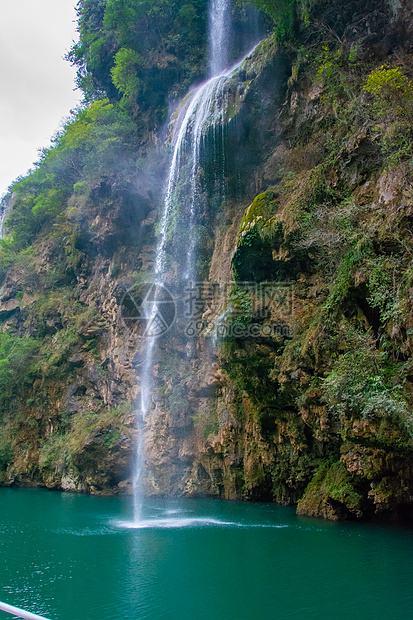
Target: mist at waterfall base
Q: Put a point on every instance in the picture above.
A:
(67, 557)
(185, 200)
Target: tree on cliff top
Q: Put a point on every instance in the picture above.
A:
(167, 36)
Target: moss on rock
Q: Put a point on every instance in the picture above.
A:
(332, 493)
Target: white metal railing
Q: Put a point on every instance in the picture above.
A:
(19, 613)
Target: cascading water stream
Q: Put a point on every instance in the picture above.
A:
(219, 35)
(4, 209)
(205, 109)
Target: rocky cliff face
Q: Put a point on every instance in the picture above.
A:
(297, 386)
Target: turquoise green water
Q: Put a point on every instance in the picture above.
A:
(74, 557)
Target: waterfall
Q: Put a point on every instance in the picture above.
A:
(204, 110)
(218, 35)
(2, 216)
(5, 206)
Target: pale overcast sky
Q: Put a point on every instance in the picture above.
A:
(36, 84)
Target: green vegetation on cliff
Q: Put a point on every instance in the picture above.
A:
(339, 388)
(140, 51)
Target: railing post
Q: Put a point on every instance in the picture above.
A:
(19, 613)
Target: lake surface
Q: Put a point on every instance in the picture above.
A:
(75, 557)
